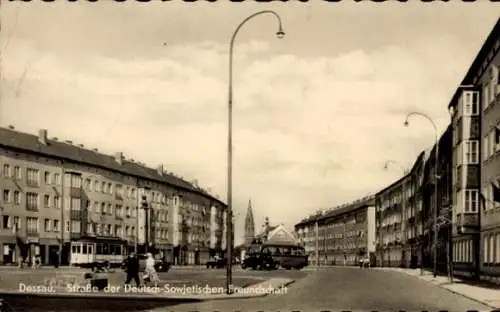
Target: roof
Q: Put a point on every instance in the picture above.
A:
(12, 139)
(339, 210)
(478, 60)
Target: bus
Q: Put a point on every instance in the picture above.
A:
(97, 253)
(274, 256)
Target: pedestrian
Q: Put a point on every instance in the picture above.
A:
(150, 271)
(55, 259)
(131, 266)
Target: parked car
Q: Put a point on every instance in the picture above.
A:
(216, 263)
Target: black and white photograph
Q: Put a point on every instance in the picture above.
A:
(249, 156)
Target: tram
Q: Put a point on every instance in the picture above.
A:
(97, 252)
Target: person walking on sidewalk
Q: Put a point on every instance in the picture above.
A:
(150, 272)
(131, 266)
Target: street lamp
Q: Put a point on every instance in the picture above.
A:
(435, 178)
(280, 34)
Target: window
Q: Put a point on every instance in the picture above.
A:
(76, 181)
(110, 188)
(496, 139)
(76, 204)
(76, 226)
(493, 83)
(103, 208)
(119, 210)
(99, 229)
(471, 103)
(6, 196)
(110, 209)
(471, 201)
(486, 93)
(491, 252)
(103, 187)
(17, 197)
(47, 225)
(31, 201)
(6, 171)
(47, 177)
(56, 179)
(87, 184)
(90, 228)
(471, 152)
(498, 248)
(17, 173)
(46, 201)
(57, 202)
(486, 148)
(485, 249)
(33, 177)
(32, 225)
(57, 226)
(67, 226)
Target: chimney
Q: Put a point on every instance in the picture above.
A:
(11, 127)
(119, 157)
(160, 169)
(42, 136)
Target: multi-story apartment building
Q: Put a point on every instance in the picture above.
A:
(54, 192)
(340, 235)
(399, 219)
(476, 163)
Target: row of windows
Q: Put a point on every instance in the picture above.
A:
(491, 248)
(488, 191)
(492, 87)
(462, 251)
(50, 225)
(33, 179)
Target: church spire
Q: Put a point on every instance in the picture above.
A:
(249, 224)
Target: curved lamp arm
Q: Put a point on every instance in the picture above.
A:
(406, 123)
(280, 35)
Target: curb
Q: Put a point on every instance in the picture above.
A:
(470, 298)
(443, 286)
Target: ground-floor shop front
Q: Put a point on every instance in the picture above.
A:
(16, 250)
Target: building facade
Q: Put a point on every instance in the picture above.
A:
(476, 174)
(399, 211)
(54, 192)
(341, 235)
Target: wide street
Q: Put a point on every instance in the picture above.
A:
(341, 288)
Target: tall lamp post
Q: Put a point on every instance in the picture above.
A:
(280, 34)
(435, 180)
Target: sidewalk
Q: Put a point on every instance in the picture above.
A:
(484, 295)
(71, 285)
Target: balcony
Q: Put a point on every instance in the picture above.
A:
(75, 192)
(467, 223)
(76, 215)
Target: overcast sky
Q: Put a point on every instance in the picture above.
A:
(316, 114)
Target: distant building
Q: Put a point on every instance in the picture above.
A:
(341, 235)
(249, 225)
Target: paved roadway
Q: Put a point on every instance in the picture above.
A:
(338, 289)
